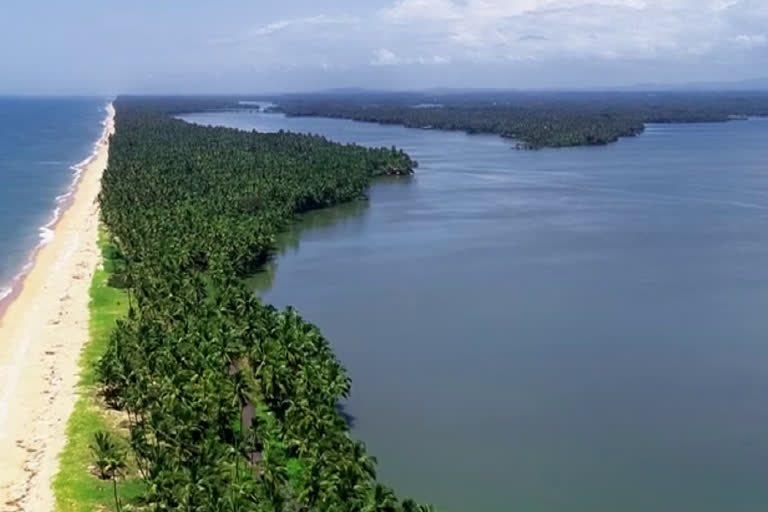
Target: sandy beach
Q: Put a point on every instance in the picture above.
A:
(42, 333)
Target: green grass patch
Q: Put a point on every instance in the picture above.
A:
(76, 488)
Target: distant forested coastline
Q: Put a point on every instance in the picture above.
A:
(231, 405)
(535, 119)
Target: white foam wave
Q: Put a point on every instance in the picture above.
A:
(77, 171)
(46, 232)
(46, 235)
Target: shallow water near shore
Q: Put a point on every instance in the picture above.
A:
(42, 141)
(562, 330)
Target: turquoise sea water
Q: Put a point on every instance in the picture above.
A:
(42, 140)
(571, 330)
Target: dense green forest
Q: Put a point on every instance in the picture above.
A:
(232, 405)
(534, 119)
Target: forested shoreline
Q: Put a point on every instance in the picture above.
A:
(534, 119)
(231, 404)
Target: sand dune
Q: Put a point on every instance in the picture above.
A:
(42, 333)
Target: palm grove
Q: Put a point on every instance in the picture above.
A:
(534, 119)
(231, 404)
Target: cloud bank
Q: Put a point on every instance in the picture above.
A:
(241, 45)
(610, 29)
(521, 39)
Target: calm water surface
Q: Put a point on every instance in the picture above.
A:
(562, 330)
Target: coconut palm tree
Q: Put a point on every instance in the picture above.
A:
(193, 210)
(109, 459)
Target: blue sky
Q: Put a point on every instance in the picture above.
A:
(88, 46)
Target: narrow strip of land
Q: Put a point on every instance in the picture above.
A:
(42, 334)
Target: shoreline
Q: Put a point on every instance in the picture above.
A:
(44, 324)
(9, 291)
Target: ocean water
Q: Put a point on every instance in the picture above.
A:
(43, 144)
(562, 330)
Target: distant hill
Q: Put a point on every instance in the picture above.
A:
(751, 84)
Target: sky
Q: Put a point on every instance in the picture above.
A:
(239, 46)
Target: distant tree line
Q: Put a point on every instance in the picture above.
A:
(535, 120)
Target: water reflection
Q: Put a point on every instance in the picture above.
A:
(314, 222)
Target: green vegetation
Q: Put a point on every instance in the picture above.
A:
(76, 486)
(110, 460)
(536, 120)
(230, 404)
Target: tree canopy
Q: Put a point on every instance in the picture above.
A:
(232, 404)
(534, 119)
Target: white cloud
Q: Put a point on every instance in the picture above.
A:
(750, 40)
(384, 57)
(423, 9)
(308, 23)
(268, 30)
(498, 30)
(517, 42)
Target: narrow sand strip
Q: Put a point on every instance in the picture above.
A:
(41, 336)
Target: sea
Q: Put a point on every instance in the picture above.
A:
(44, 144)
